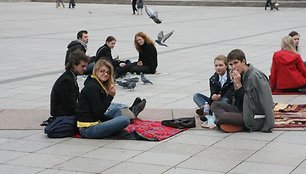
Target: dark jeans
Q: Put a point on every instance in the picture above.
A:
(134, 68)
(227, 114)
(269, 4)
(134, 6)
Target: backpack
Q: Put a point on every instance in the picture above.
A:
(61, 127)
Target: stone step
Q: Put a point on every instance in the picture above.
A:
(236, 3)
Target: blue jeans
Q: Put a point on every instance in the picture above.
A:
(200, 99)
(107, 128)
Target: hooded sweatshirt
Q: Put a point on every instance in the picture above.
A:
(74, 45)
(287, 71)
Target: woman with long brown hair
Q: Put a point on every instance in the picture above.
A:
(147, 60)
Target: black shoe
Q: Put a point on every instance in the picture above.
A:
(203, 118)
(136, 101)
(47, 122)
(139, 107)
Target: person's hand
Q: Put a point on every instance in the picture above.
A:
(216, 97)
(139, 63)
(236, 78)
(112, 90)
(122, 64)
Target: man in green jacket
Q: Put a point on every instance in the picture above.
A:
(253, 110)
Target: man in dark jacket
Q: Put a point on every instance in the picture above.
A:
(80, 43)
(253, 108)
(65, 91)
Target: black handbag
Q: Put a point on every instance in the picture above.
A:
(186, 122)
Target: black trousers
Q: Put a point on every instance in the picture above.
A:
(227, 114)
(134, 6)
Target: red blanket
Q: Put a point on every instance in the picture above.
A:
(152, 130)
(290, 115)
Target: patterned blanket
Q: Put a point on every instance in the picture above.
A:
(290, 115)
(151, 130)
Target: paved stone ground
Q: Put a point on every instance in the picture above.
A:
(34, 37)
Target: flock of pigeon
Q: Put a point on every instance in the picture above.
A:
(130, 83)
(161, 38)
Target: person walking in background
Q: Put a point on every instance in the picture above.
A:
(59, 2)
(269, 4)
(221, 86)
(71, 3)
(253, 109)
(65, 91)
(139, 6)
(134, 6)
(288, 72)
(147, 60)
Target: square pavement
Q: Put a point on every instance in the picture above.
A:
(34, 37)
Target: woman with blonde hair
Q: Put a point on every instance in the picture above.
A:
(288, 72)
(147, 60)
(95, 98)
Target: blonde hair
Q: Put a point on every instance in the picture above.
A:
(288, 44)
(107, 84)
(146, 39)
(222, 58)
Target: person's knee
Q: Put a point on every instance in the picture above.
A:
(214, 105)
(196, 97)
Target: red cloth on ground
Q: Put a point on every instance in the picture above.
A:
(287, 71)
(152, 130)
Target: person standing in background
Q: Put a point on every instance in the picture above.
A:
(139, 6)
(71, 3)
(134, 6)
(59, 2)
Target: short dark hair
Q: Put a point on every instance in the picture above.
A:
(80, 34)
(293, 33)
(75, 58)
(236, 54)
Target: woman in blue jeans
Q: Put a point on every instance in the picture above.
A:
(221, 86)
(95, 98)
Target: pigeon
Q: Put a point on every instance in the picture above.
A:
(123, 84)
(153, 15)
(131, 86)
(161, 38)
(144, 79)
(134, 79)
(89, 11)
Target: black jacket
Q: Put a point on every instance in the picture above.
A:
(105, 52)
(74, 45)
(215, 87)
(64, 95)
(93, 102)
(148, 56)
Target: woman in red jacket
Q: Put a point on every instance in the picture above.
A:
(288, 72)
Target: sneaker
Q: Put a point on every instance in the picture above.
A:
(230, 128)
(47, 122)
(203, 118)
(139, 107)
(200, 112)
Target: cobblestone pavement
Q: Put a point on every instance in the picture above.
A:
(33, 40)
